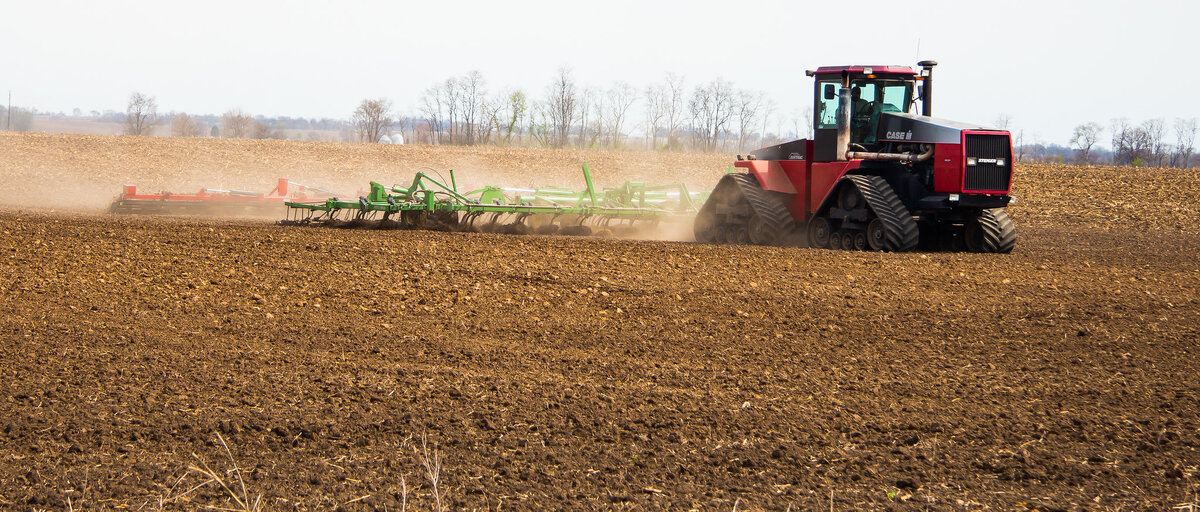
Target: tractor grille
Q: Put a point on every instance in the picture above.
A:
(988, 176)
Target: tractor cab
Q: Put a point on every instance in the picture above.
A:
(873, 89)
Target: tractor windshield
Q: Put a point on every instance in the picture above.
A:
(872, 97)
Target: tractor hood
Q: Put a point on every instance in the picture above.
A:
(901, 127)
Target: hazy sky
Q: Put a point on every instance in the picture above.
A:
(1049, 64)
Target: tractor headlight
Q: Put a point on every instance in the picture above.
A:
(999, 162)
(972, 160)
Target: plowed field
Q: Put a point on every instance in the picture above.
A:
(585, 373)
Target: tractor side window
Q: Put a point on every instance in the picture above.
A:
(827, 106)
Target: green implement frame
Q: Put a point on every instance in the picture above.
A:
(430, 203)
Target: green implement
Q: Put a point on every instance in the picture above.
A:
(432, 204)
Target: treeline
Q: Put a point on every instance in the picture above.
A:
(17, 120)
(666, 115)
(1150, 143)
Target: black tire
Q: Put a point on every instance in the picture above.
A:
(992, 232)
(818, 233)
(847, 241)
(860, 241)
(835, 241)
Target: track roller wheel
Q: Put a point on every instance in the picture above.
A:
(818, 233)
(835, 241)
(860, 241)
(759, 233)
(992, 231)
(847, 241)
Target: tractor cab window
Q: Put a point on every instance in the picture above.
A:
(871, 98)
(827, 104)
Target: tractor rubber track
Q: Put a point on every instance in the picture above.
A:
(707, 224)
(770, 207)
(901, 230)
(999, 234)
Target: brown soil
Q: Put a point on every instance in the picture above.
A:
(584, 373)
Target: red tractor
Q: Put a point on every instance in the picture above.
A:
(875, 176)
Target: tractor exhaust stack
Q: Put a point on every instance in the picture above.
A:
(927, 88)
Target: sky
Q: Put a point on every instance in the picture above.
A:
(1049, 65)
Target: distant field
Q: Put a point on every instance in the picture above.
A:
(88, 171)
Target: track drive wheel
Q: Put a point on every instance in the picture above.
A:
(992, 231)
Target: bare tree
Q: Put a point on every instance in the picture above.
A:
(372, 119)
(1020, 143)
(1185, 137)
(591, 118)
(1002, 121)
(1155, 130)
(515, 108)
(236, 124)
(561, 106)
(141, 114)
(768, 108)
(656, 111)
(711, 108)
(450, 93)
(1086, 135)
(471, 94)
(1131, 145)
(182, 125)
(674, 107)
(620, 98)
(542, 128)
(432, 108)
(748, 105)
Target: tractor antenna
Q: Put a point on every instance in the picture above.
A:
(918, 49)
